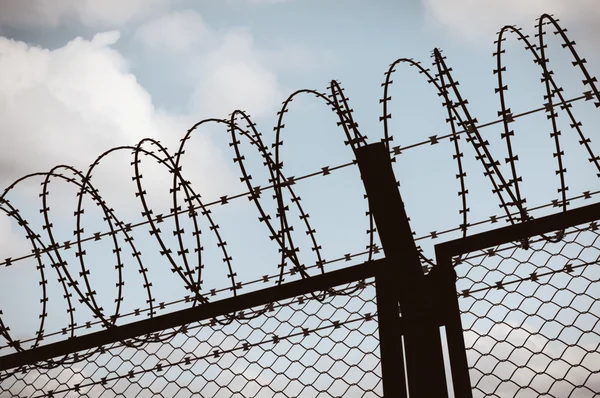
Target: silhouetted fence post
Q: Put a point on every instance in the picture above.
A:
(402, 281)
(444, 277)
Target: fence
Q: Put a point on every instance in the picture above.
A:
(331, 323)
(529, 302)
(299, 347)
(507, 312)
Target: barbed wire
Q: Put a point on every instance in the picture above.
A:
(395, 152)
(188, 264)
(344, 258)
(213, 293)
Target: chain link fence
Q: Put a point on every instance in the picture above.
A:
(531, 316)
(308, 346)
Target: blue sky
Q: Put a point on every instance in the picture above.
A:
(77, 78)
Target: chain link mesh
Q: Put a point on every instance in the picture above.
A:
(531, 316)
(298, 347)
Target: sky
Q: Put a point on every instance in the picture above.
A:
(80, 77)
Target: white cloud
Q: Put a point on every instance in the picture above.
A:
(68, 105)
(225, 68)
(233, 76)
(479, 20)
(89, 12)
(178, 31)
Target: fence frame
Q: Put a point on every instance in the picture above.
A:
(426, 302)
(444, 252)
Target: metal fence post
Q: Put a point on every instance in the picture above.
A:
(390, 343)
(422, 342)
(444, 277)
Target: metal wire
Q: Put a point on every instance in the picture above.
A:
(531, 316)
(299, 347)
(324, 343)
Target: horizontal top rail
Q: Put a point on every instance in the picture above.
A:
(517, 232)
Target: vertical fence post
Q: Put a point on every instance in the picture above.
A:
(445, 278)
(390, 343)
(422, 342)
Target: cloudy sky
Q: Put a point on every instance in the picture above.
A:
(80, 77)
(103, 73)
